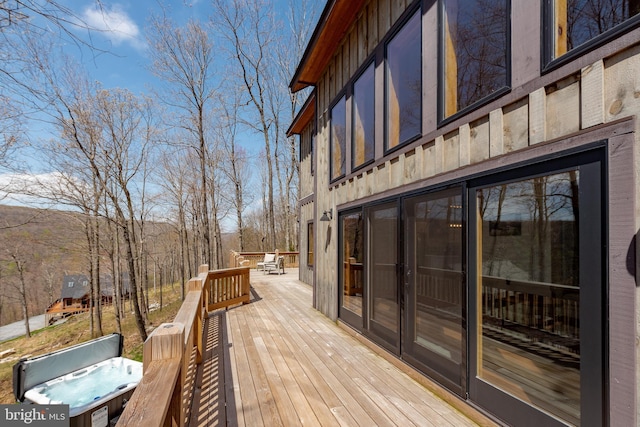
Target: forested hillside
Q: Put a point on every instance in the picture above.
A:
(38, 247)
(41, 246)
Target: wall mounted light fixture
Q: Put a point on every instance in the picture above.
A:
(327, 215)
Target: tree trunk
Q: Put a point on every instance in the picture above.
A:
(133, 282)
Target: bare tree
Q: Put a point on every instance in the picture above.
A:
(236, 159)
(265, 54)
(20, 22)
(15, 270)
(173, 177)
(248, 28)
(289, 49)
(105, 132)
(127, 121)
(183, 57)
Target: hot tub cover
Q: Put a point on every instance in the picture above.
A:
(30, 372)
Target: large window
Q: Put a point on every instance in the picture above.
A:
(404, 84)
(338, 139)
(475, 52)
(363, 118)
(576, 22)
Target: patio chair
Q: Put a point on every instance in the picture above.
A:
(267, 258)
(277, 265)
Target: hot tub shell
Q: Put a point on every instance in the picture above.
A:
(31, 377)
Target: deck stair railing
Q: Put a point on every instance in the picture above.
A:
(172, 350)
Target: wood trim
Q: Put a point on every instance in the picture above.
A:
(554, 146)
(338, 16)
(560, 26)
(304, 117)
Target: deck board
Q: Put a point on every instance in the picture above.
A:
(284, 363)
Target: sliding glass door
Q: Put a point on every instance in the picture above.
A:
(434, 336)
(495, 287)
(537, 293)
(383, 314)
(352, 272)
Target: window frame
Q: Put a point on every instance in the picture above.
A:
(401, 25)
(549, 63)
(441, 106)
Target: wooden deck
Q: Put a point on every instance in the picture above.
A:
(277, 361)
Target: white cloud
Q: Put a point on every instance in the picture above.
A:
(35, 190)
(115, 24)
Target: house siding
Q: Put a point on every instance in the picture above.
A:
(594, 97)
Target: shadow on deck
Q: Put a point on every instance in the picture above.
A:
(278, 361)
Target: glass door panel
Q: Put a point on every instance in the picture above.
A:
(528, 291)
(352, 261)
(383, 308)
(435, 335)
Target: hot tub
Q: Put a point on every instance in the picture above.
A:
(90, 389)
(92, 378)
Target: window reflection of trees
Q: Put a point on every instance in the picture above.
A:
(586, 19)
(543, 211)
(364, 117)
(353, 254)
(530, 295)
(479, 38)
(338, 139)
(404, 61)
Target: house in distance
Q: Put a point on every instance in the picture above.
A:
(75, 295)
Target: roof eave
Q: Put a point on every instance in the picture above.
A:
(336, 19)
(304, 116)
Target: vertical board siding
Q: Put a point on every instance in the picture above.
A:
(516, 126)
(592, 95)
(451, 152)
(563, 108)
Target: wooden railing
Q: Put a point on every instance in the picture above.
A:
(171, 352)
(353, 277)
(250, 259)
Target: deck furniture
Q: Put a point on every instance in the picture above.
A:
(276, 265)
(268, 258)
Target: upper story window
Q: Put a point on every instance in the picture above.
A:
(404, 84)
(475, 51)
(363, 102)
(338, 139)
(573, 23)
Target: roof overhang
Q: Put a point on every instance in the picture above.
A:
(336, 18)
(304, 116)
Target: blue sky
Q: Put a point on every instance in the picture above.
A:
(122, 34)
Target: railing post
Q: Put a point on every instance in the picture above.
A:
(246, 286)
(203, 269)
(195, 284)
(167, 342)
